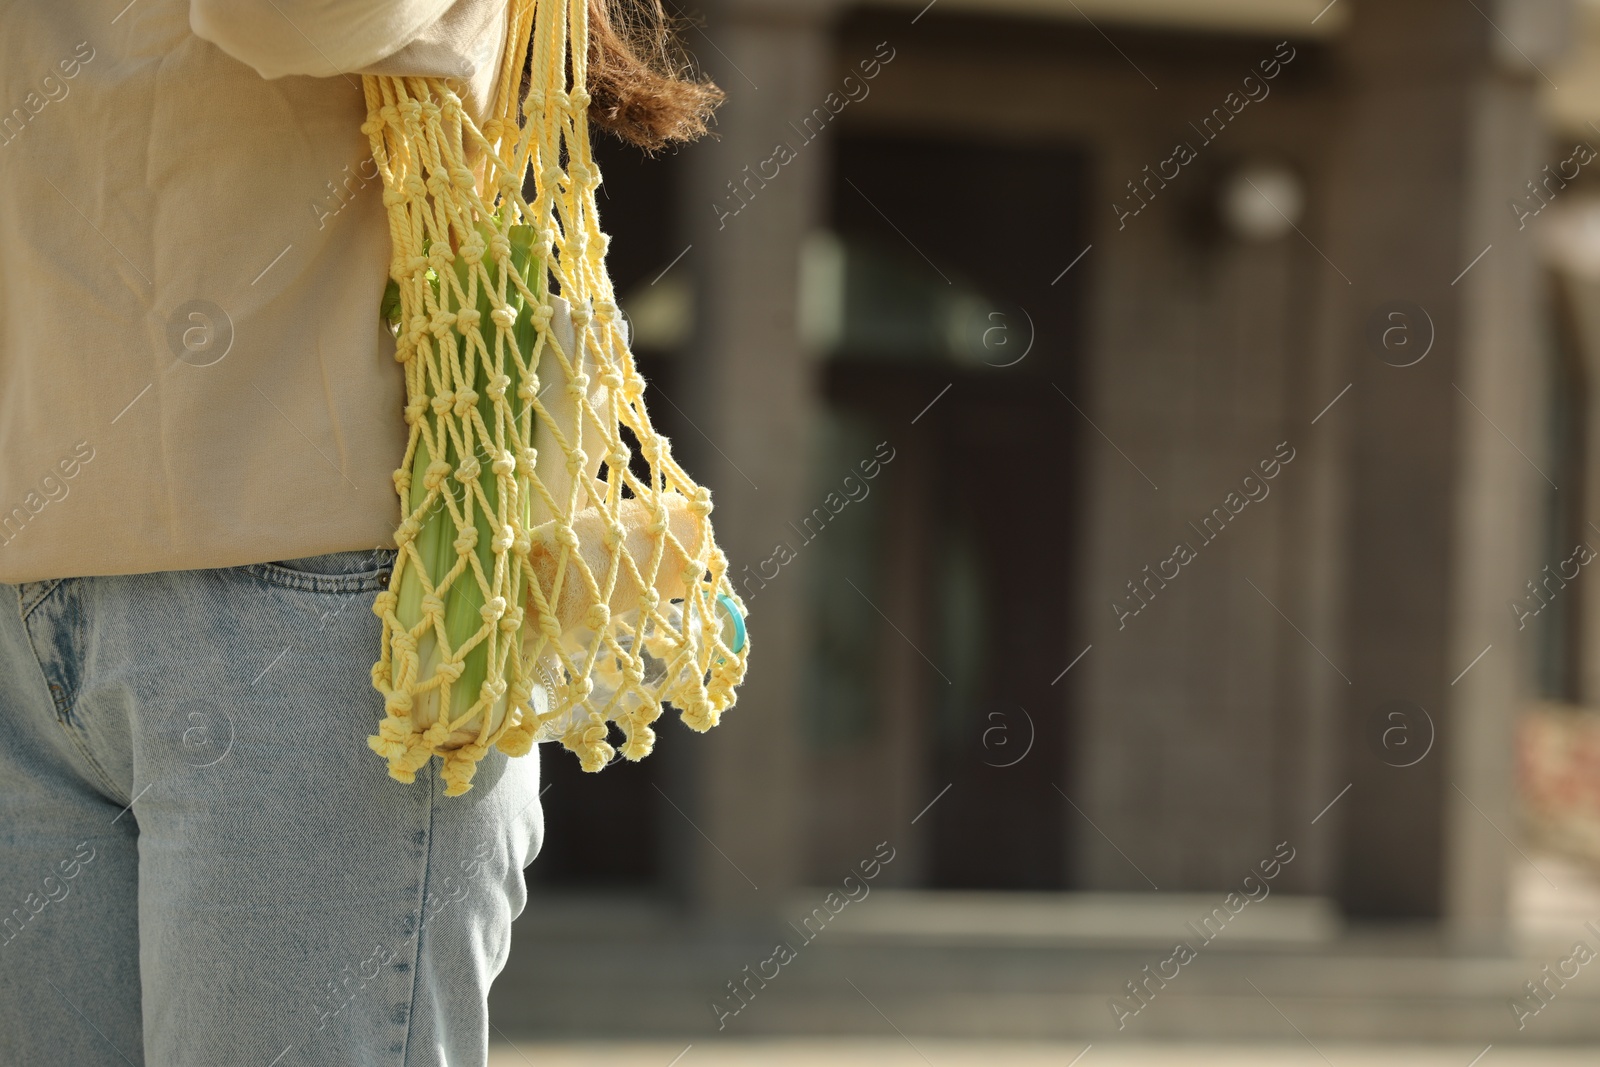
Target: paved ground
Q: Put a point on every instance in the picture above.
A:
(933, 1053)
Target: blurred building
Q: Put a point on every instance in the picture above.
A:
(1149, 435)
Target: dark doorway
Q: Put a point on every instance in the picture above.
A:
(952, 328)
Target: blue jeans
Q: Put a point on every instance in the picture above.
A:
(202, 863)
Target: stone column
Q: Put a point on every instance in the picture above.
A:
(1500, 493)
(1443, 513)
(749, 391)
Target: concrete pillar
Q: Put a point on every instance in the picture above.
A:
(1443, 513)
(749, 391)
(1500, 495)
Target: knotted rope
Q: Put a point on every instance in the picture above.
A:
(556, 571)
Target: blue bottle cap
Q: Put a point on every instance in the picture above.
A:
(731, 617)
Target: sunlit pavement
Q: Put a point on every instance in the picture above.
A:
(935, 1053)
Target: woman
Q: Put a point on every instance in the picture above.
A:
(200, 862)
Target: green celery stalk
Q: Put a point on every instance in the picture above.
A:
(435, 540)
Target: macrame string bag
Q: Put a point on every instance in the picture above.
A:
(556, 576)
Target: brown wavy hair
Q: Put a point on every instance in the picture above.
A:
(642, 88)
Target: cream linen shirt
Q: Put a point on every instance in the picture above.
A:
(193, 250)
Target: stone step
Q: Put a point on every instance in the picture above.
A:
(896, 1051)
(630, 967)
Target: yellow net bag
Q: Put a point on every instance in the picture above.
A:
(556, 576)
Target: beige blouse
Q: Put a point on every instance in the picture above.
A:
(193, 250)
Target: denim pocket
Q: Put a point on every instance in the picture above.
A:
(357, 571)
